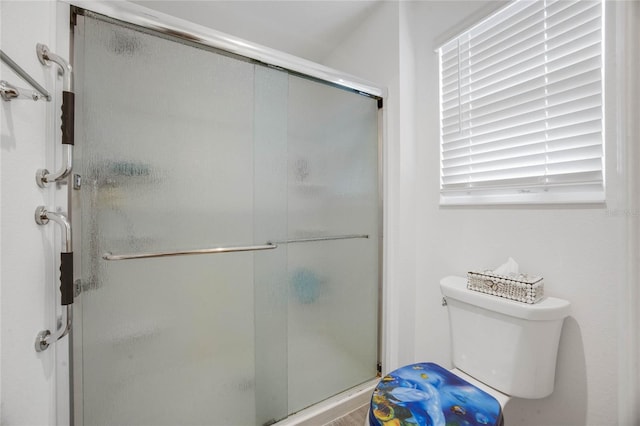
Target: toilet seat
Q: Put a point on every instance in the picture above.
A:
(428, 394)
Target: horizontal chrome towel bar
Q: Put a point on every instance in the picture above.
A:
(268, 246)
(110, 256)
(311, 239)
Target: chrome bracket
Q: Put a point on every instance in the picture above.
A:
(42, 51)
(45, 57)
(41, 215)
(8, 92)
(41, 340)
(444, 301)
(44, 339)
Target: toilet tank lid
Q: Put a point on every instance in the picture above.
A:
(547, 309)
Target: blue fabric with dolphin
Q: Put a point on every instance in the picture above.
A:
(426, 394)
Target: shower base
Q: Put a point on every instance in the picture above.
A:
(333, 408)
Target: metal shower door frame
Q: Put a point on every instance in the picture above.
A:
(161, 24)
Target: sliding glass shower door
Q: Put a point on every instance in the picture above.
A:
(179, 149)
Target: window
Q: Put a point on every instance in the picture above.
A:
(521, 106)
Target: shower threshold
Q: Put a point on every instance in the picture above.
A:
(332, 408)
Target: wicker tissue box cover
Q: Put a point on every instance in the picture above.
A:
(519, 287)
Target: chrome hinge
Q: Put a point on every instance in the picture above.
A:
(444, 301)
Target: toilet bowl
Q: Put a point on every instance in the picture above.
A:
(501, 349)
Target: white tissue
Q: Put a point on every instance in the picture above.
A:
(509, 268)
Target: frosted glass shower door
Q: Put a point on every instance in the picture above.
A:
(180, 147)
(166, 159)
(333, 284)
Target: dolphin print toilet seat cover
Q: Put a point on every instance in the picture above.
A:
(426, 394)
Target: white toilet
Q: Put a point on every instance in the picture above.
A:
(501, 349)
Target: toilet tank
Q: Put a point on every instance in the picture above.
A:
(510, 346)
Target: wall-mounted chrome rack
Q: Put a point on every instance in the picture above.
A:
(269, 245)
(9, 92)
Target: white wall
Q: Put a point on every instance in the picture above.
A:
(585, 253)
(28, 255)
(580, 250)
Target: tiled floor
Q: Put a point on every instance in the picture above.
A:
(354, 418)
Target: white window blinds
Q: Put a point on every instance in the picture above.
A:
(521, 106)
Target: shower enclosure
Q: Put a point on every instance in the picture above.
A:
(228, 215)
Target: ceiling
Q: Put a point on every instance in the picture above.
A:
(310, 29)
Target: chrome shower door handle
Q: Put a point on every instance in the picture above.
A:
(45, 338)
(214, 250)
(42, 217)
(269, 245)
(43, 176)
